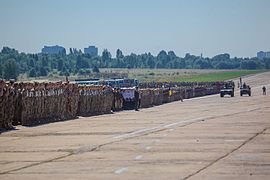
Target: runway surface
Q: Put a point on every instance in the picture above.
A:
(201, 138)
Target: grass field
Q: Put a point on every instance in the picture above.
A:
(162, 75)
(197, 76)
(212, 77)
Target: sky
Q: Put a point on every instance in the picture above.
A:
(238, 27)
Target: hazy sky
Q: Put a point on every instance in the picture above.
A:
(238, 27)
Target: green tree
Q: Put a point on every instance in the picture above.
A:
(43, 71)
(267, 63)
(44, 61)
(105, 59)
(151, 61)
(32, 73)
(70, 51)
(1, 71)
(95, 69)
(10, 69)
(119, 54)
(60, 64)
(31, 62)
(162, 58)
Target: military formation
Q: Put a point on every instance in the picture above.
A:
(37, 103)
(95, 100)
(118, 100)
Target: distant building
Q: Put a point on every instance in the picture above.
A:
(91, 50)
(261, 55)
(267, 54)
(53, 50)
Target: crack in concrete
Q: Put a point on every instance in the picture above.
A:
(89, 148)
(227, 154)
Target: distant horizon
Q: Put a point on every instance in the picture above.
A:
(237, 27)
(114, 52)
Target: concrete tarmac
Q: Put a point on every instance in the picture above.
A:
(201, 138)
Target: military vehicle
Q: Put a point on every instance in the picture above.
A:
(228, 89)
(245, 90)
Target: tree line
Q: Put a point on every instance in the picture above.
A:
(13, 63)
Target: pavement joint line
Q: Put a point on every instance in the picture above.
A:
(142, 133)
(131, 135)
(36, 164)
(74, 152)
(227, 154)
(182, 123)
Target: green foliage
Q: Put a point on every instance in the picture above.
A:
(10, 69)
(106, 57)
(43, 71)
(96, 69)
(32, 73)
(76, 62)
(1, 71)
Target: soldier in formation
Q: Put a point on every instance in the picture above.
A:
(36, 103)
(95, 100)
(117, 100)
(7, 104)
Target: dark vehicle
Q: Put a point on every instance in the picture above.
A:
(245, 90)
(228, 89)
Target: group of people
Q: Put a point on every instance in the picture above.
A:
(32, 103)
(37, 103)
(118, 100)
(179, 84)
(95, 100)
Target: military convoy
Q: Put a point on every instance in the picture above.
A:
(228, 89)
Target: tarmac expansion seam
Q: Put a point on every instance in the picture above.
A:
(181, 123)
(141, 132)
(35, 164)
(227, 154)
(78, 151)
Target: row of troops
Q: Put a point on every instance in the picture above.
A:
(36, 103)
(180, 84)
(157, 96)
(95, 100)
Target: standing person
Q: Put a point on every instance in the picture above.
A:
(140, 99)
(136, 98)
(240, 82)
(264, 90)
